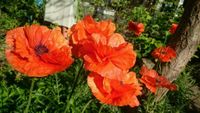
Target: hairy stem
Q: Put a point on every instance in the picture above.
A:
(58, 94)
(30, 96)
(74, 86)
(101, 108)
(86, 105)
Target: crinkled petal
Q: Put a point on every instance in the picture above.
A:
(37, 51)
(115, 92)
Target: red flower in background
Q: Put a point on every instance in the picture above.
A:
(164, 54)
(173, 28)
(152, 80)
(114, 92)
(149, 78)
(137, 28)
(163, 82)
(37, 51)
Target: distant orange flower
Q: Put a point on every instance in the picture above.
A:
(85, 28)
(173, 28)
(108, 58)
(114, 92)
(164, 54)
(152, 80)
(37, 51)
(136, 27)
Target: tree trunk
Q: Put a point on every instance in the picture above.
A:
(185, 41)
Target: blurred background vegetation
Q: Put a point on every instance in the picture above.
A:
(52, 94)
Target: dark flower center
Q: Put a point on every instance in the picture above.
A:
(163, 52)
(41, 49)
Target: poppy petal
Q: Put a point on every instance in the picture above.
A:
(115, 92)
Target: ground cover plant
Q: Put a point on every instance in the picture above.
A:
(107, 64)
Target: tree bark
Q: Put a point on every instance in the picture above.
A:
(185, 41)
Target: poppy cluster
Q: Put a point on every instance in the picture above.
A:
(109, 57)
(136, 27)
(164, 54)
(173, 28)
(37, 51)
(152, 80)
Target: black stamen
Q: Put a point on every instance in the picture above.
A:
(41, 49)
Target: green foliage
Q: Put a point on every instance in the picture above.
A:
(24, 11)
(120, 4)
(85, 9)
(136, 14)
(185, 82)
(7, 22)
(98, 2)
(140, 14)
(144, 45)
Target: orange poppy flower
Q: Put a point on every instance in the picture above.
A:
(102, 50)
(108, 58)
(152, 80)
(137, 28)
(37, 51)
(87, 27)
(173, 28)
(164, 54)
(114, 92)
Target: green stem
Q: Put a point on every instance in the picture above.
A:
(58, 94)
(86, 106)
(101, 108)
(75, 81)
(30, 96)
(74, 85)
